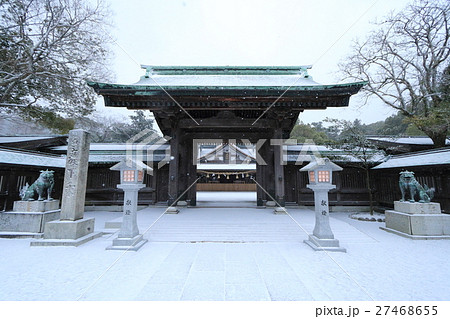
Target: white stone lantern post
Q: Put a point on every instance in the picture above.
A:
(131, 181)
(320, 173)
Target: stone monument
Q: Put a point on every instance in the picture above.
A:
(30, 215)
(131, 178)
(72, 229)
(416, 220)
(320, 181)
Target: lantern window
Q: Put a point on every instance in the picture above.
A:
(140, 176)
(324, 176)
(128, 176)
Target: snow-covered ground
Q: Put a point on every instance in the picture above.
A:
(220, 199)
(229, 254)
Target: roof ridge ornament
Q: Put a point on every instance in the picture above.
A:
(148, 70)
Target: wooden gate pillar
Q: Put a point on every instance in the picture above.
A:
(174, 166)
(279, 167)
(191, 152)
(263, 169)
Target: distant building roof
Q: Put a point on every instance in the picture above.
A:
(424, 158)
(16, 139)
(35, 143)
(416, 140)
(15, 157)
(108, 148)
(397, 145)
(114, 152)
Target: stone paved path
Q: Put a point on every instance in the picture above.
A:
(229, 254)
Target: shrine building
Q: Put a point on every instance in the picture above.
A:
(194, 105)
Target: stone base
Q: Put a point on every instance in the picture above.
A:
(324, 244)
(280, 211)
(68, 233)
(132, 244)
(16, 235)
(29, 222)
(182, 203)
(271, 203)
(418, 224)
(417, 208)
(36, 205)
(66, 242)
(172, 210)
(66, 229)
(389, 230)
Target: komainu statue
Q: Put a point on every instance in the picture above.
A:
(408, 182)
(43, 185)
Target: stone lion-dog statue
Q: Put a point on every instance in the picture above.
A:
(43, 185)
(408, 182)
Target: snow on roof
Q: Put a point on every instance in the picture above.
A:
(115, 158)
(248, 151)
(130, 163)
(117, 147)
(323, 163)
(106, 158)
(414, 140)
(226, 167)
(227, 80)
(425, 158)
(307, 147)
(31, 159)
(17, 139)
(226, 76)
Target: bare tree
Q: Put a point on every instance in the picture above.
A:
(360, 151)
(405, 61)
(106, 129)
(49, 48)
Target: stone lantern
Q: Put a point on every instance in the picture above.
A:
(131, 181)
(320, 173)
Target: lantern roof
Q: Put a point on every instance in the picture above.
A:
(129, 163)
(321, 163)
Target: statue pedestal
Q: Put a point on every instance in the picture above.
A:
(417, 208)
(35, 205)
(418, 221)
(28, 218)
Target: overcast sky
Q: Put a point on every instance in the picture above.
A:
(247, 32)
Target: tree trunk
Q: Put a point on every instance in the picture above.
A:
(439, 139)
(369, 189)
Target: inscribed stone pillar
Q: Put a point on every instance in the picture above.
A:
(129, 237)
(129, 227)
(322, 237)
(322, 227)
(73, 229)
(75, 177)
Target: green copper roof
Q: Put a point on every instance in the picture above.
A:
(225, 70)
(226, 80)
